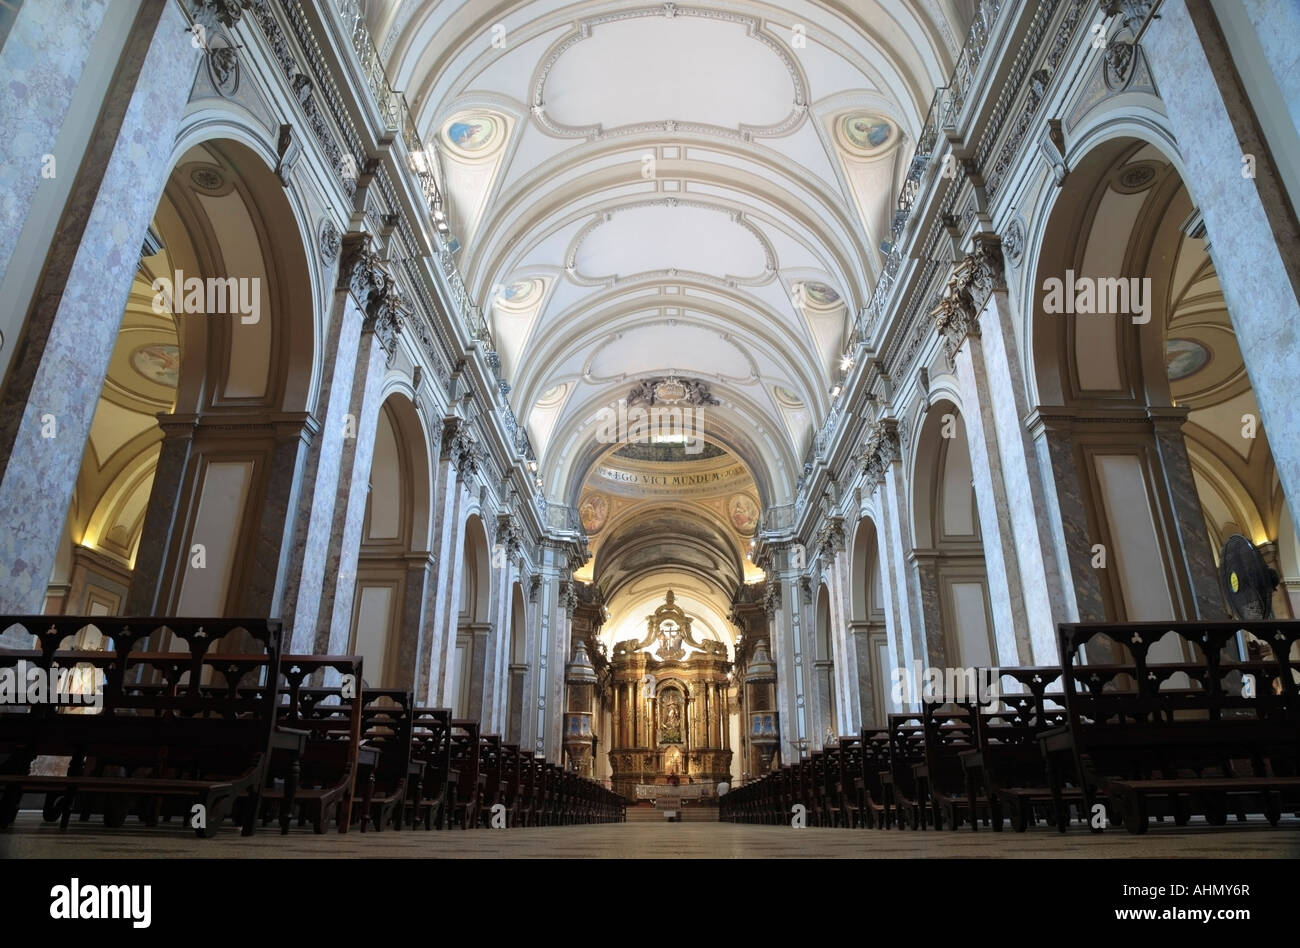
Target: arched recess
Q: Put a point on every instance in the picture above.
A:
(179, 505)
(393, 567)
(518, 667)
(473, 623)
(869, 624)
(1145, 389)
(949, 547)
(824, 667)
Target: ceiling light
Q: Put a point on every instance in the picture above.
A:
(419, 164)
(846, 363)
(835, 391)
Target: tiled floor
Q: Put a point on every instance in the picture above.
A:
(31, 838)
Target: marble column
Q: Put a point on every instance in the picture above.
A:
(51, 392)
(456, 465)
(864, 711)
(410, 672)
(338, 589)
(923, 576)
(291, 436)
(44, 58)
(159, 551)
(904, 616)
(1072, 540)
(976, 321)
(1191, 554)
(1251, 232)
(320, 481)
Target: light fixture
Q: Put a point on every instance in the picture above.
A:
(835, 391)
(846, 363)
(419, 163)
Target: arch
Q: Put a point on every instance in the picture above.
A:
(219, 328)
(1163, 384)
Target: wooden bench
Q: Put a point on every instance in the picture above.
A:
(469, 783)
(176, 730)
(387, 727)
(321, 781)
(1187, 738)
(431, 745)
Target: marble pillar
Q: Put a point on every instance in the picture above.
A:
(263, 594)
(1190, 552)
(43, 60)
(320, 480)
(51, 393)
(1251, 234)
(339, 585)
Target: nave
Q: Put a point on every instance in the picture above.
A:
(30, 839)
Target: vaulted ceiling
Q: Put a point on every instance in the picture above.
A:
(647, 190)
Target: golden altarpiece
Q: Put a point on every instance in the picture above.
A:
(669, 697)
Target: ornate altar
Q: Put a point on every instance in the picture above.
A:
(670, 707)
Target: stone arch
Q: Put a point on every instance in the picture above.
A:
(394, 563)
(193, 449)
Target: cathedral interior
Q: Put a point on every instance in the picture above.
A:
(659, 410)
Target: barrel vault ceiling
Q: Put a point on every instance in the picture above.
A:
(642, 190)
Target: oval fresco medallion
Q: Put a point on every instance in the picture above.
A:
(159, 362)
(473, 134)
(1184, 357)
(866, 135)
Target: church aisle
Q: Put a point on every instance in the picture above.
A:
(30, 838)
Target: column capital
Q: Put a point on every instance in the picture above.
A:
(459, 446)
(363, 273)
(974, 279)
(880, 449)
(830, 537)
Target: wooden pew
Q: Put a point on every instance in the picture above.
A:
(465, 761)
(903, 801)
(1179, 747)
(321, 782)
(176, 730)
(492, 780)
(950, 732)
(1007, 764)
(875, 763)
(431, 745)
(386, 726)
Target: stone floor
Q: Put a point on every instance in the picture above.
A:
(31, 838)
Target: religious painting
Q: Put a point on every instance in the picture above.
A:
(593, 510)
(1184, 357)
(159, 362)
(671, 714)
(867, 135)
(473, 134)
(743, 514)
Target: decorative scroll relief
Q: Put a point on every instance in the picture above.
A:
(753, 29)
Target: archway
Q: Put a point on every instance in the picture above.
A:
(949, 547)
(473, 622)
(394, 564)
(1157, 413)
(204, 410)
